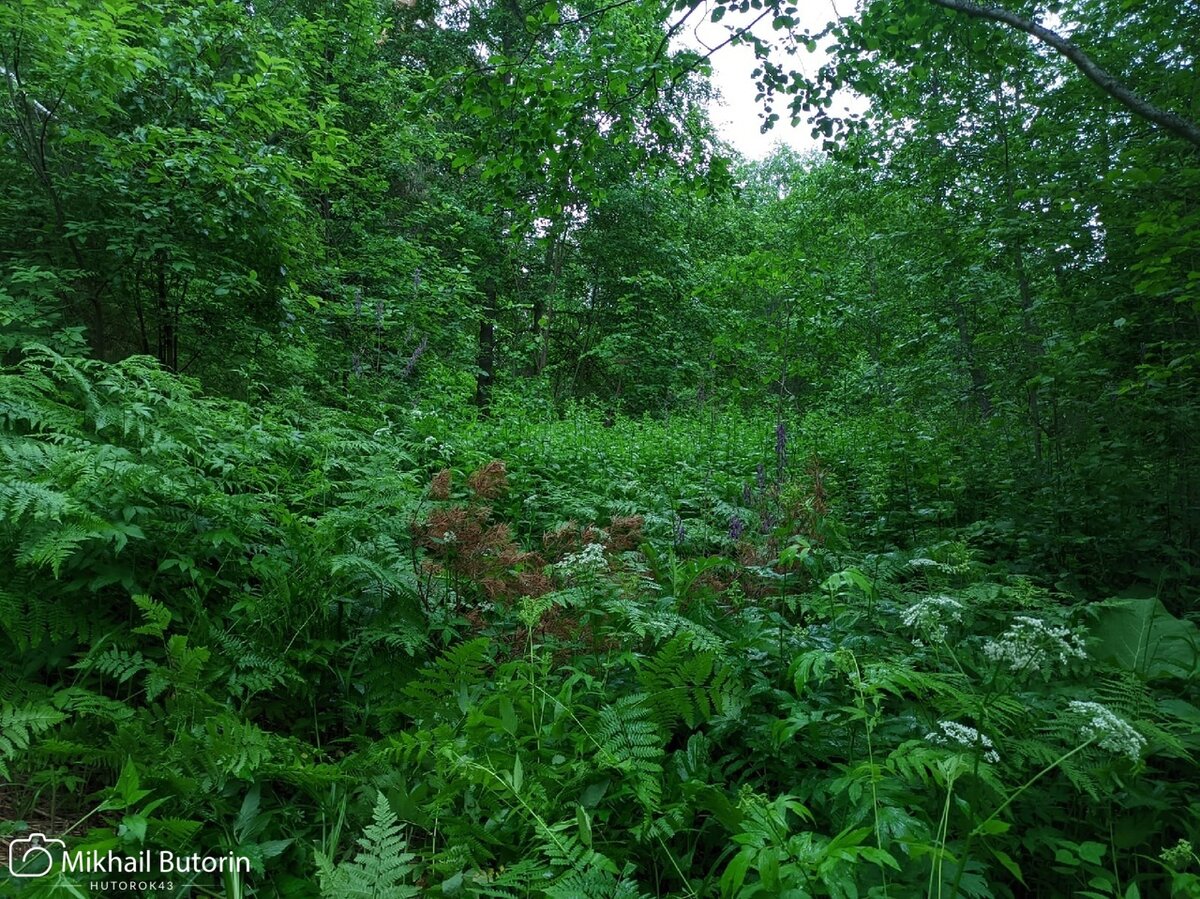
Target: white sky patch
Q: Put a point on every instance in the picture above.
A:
(737, 115)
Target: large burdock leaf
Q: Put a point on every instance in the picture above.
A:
(1140, 635)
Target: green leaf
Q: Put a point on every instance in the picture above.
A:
(1091, 852)
(585, 825)
(1008, 864)
(735, 873)
(994, 826)
(1141, 636)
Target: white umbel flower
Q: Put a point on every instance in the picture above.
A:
(963, 736)
(933, 616)
(1113, 734)
(1031, 644)
(588, 562)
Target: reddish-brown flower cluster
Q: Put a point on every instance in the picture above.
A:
(489, 482)
(562, 627)
(463, 541)
(439, 487)
(479, 556)
(570, 538)
(622, 534)
(625, 533)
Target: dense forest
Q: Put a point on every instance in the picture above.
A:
(434, 462)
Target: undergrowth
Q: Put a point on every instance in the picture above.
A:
(374, 660)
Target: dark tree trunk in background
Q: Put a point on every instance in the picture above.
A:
(168, 339)
(966, 348)
(486, 360)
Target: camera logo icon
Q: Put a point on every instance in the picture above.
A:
(31, 856)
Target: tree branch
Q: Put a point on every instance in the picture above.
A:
(15, 85)
(1140, 106)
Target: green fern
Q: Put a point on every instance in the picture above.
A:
(660, 623)
(632, 743)
(458, 670)
(156, 615)
(19, 725)
(237, 748)
(116, 663)
(683, 684)
(381, 870)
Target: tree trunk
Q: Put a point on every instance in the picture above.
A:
(486, 360)
(168, 338)
(966, 347)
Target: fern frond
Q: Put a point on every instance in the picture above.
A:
(157, 616)
(114, 662)
(630, 742)
(461, 667)
(19, 725)
(683, 684)
(380, 870)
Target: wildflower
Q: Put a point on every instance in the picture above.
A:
(781, 446)
(1178, 856)
(747, 496)
(625, 532)
(439, 487)
(934, 615)
(736, 528)
(490, 481)
(1032, 644)
(415, 358)
(680, 532)
(760, 476)
(588, 562)
(954, 734)
(1113, 734)
(450, 537)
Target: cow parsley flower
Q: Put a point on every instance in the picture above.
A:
(588, 562)
(933, 615)
(1031, 644)
(954, 734)
(1113, 734)
(1178, 856)
(932, 565)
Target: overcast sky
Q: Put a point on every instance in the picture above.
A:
(737, 117)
